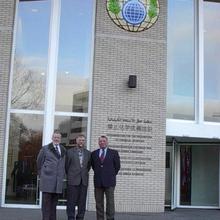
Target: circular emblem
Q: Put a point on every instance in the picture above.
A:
(133, 15)
(134, 12)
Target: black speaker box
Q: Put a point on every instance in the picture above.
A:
(132, 81)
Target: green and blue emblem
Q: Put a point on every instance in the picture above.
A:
(133, 15)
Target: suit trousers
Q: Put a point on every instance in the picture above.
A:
(110, 204)
(76, 196)
(49, 204)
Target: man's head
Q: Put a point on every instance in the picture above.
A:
(103, 141)
(80, 140)
(56, 137)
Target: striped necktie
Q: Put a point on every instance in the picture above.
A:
(102, 156)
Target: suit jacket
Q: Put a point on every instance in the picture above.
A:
(51, 168)
(76, 173)
(105, 173)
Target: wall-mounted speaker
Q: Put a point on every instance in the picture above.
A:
(132, 81)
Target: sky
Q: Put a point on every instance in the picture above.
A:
(74, 49)
(181, 55)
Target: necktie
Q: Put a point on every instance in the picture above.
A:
(57, 150)
(81, 157)
(102, 156)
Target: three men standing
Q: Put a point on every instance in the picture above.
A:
(53, 161)
(106, 164)
(78, 163)
(50, 166)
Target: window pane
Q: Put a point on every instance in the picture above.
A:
(74, 56)
(180, 88)
(199, 186)
(30, 62)
(25, 141)
(70, 127)
(211, 61)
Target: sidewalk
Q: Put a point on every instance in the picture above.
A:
(178, 214)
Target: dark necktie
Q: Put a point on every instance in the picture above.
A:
(57, 150)
(102, 156)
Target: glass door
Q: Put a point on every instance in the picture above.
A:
(199, 176)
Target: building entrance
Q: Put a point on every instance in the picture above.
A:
(199, 175)
(193, 180)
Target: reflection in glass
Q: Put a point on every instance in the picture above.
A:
(180, 87)
(168, 179)
(69, 127)
(25, 141)
(185, 175)
(74, 56)
(199, 186)
(30, 55)
(211, 61)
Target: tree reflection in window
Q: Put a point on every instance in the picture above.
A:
(25, 142)
(28, 87)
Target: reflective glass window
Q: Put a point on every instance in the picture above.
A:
(211, 61)
(25, 141)
(70, 127)
(74, 56)
(30, 66)
(30, 63)
(181, 60)
(199, 186)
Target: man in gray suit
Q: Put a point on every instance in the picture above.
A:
(51, 170)
(77, 170)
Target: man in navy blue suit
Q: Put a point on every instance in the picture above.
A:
(106, 164)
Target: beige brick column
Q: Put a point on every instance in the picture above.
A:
(133, 119)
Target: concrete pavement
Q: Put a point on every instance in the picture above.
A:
(178, 214)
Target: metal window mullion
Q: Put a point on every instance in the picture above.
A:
(74, 114)
(196, 60)
(52, 70)
(200, 63)
(50, 92)
(89, 122)
(26, 111)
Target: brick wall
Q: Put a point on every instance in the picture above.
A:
(6, 32)
(134, 119)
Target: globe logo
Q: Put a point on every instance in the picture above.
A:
(134, 12)
(133, 15)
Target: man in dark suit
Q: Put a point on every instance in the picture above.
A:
(78, 163)
(51, 170)
(106, 164)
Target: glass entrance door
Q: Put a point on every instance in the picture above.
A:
(199, 175)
